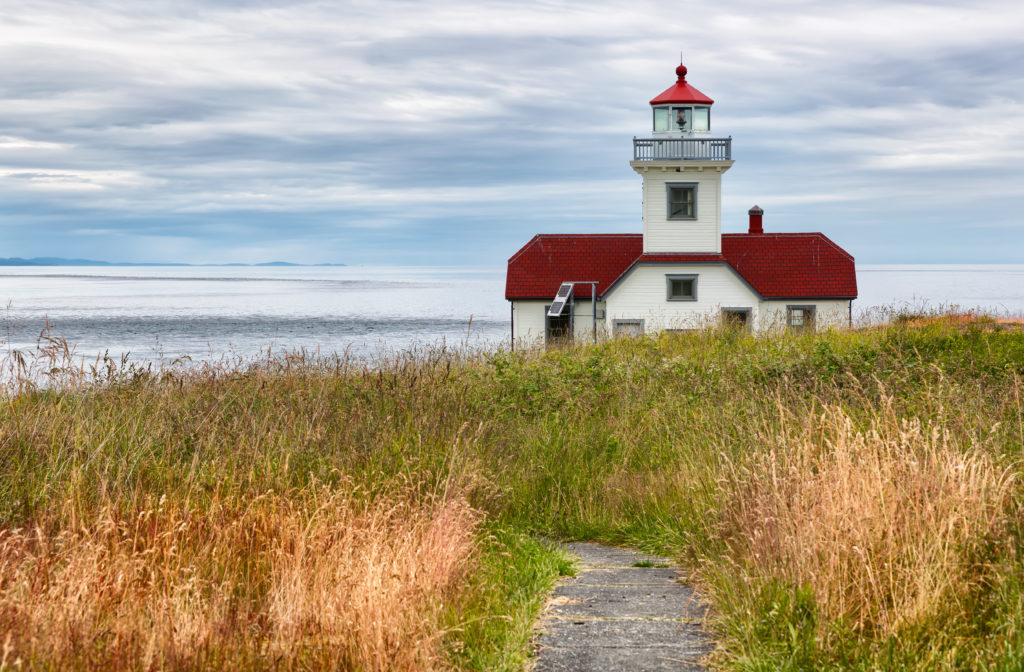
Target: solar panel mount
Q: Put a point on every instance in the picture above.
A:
(561, 299)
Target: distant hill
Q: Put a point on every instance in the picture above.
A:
(60, 261)
(50, 261)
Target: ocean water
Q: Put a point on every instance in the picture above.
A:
(995, 288)
(217, 312)
(210, 313)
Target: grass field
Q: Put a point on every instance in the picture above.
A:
(848, 500)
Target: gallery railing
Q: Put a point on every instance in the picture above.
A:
(682, 149)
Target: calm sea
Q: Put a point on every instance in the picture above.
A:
(208, 313)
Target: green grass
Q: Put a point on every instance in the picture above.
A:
(496, 624)
(663, 443)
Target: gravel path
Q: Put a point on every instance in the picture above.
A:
(614, 615)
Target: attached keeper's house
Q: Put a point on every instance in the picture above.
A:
(682, 272)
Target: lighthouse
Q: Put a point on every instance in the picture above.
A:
(681, 272)
(682, 164)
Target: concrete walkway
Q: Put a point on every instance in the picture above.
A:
(614, 615)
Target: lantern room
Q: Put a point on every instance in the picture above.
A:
(681, 110)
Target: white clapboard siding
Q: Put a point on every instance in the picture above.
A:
(703, 234)
(528, 321)
(642, 295)
(827, 313)
(583, 322)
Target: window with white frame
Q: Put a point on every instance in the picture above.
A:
(800, 317)
(682, 200)
(681, 287)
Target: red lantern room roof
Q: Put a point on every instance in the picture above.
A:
(681, 92)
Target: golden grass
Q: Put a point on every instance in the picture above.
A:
(860, 538)
(297, 581)
(961, 319)
(888, 527)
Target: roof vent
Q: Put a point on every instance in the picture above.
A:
(755, 220)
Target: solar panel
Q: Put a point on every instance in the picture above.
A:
(561, 298)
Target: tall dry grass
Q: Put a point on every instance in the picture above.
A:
(905, 533)
(890, 528)
(284, 581)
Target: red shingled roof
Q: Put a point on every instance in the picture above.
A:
(792, 265)
(775, 265)
(549, 259)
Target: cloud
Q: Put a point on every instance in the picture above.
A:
(8, 143)
(457, 130)
(76, 180)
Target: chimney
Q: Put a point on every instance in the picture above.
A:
(755, 220)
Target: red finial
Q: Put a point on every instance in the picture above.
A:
(681, 72)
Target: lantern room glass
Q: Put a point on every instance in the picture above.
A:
(683, 119)
(701, 119)
(661, 119)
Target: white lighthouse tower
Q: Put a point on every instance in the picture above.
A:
(682, 166)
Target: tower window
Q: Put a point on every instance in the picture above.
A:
(681, 287)
(682, 200)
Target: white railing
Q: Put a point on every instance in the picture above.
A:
(682, 149)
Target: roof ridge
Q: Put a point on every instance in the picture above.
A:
(681, 254)
(524, 248)
(836, 246)
(777, 233)
(587, 235)
(793, 234)
(538, 236)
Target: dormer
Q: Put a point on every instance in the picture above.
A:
(681, 111)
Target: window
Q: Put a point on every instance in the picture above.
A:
(736, 318)
(556, 329)
(681, 287)
(682, 200)
(628, 328)
(682, 119)
(800, 317)
(701, 121)
(661, 118)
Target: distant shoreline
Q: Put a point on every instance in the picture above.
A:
(60, 261)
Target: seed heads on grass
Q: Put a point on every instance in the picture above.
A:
(888, 526)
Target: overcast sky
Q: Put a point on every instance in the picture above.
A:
(450, 132)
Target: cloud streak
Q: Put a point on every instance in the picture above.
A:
(451, 132)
